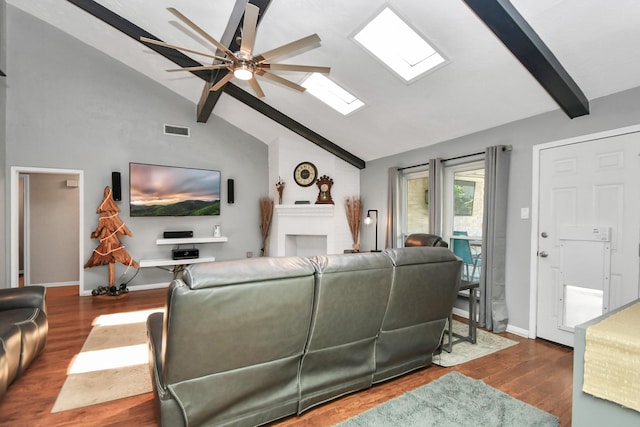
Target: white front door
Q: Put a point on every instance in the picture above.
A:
(588, 232)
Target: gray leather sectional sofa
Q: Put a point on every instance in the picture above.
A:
(23, 331)
(247, 342)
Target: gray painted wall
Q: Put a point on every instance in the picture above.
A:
(72, 107)
(4, 230)
(611, 112)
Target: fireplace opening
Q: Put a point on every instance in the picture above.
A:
(305, 245)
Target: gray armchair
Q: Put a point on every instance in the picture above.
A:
(420, 239)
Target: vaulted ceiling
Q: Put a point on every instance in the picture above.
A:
(482, 85)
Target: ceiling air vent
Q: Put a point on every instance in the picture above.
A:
(176, 130)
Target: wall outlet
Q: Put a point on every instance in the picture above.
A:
(249, 254)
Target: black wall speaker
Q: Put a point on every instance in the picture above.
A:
(115, 186)
(231, 196)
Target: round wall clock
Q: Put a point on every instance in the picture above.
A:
(305, 174)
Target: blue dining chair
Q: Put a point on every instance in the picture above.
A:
(462, 249)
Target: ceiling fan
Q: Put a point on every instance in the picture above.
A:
(243, 64)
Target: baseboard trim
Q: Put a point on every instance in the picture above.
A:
(460, 312)
(510, 328)
(149, 286)
(54, 284)
(518, 331)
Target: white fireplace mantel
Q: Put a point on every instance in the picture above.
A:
(306, 210)
(302, 230)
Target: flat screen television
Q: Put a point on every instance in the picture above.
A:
(157, 190)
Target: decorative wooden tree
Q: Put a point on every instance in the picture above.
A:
(110, 250)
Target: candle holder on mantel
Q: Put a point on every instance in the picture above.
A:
(280, 187)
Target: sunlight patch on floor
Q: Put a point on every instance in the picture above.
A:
(117, 356)
(110, 358)
(124, 318)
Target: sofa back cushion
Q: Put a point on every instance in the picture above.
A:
(351, 297)
(425, 285)
(233, 314)
(352, 291)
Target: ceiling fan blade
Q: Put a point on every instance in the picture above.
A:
(200, 31)
(223, 81)
(200, 68)
(280, 80)
(288, 48)
(292, 67)
(256, 87)
(171, 46)
(249, 29)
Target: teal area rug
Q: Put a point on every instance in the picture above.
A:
(454, 400)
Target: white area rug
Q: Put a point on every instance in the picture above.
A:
(486, 343)
(112, 364)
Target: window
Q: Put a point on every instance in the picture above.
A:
(414, 205)
(398, 46)
(464, 198)
(331, 94)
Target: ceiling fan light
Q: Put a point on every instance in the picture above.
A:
(243, 72)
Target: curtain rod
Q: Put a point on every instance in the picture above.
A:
(445, 160)
(504, 148)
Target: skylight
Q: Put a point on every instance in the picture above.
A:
(331, 94)
(398, 46)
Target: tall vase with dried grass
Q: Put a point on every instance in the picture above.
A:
(353, 207)
(280, 187)
(266, 213)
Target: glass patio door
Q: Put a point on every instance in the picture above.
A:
(463, 215)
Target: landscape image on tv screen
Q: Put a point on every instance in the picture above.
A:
(173, 191)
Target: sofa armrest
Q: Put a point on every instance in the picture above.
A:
(154, 339)
(154, 331)
(28, 297)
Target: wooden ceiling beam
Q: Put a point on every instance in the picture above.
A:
(518, 36)
(296, 127)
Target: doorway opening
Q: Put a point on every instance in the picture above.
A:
(75, 180)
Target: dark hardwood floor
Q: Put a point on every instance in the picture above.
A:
(535, 371)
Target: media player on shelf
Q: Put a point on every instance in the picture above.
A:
(177, 234)
(185, 253)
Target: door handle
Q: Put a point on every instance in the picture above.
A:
(543, 254)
